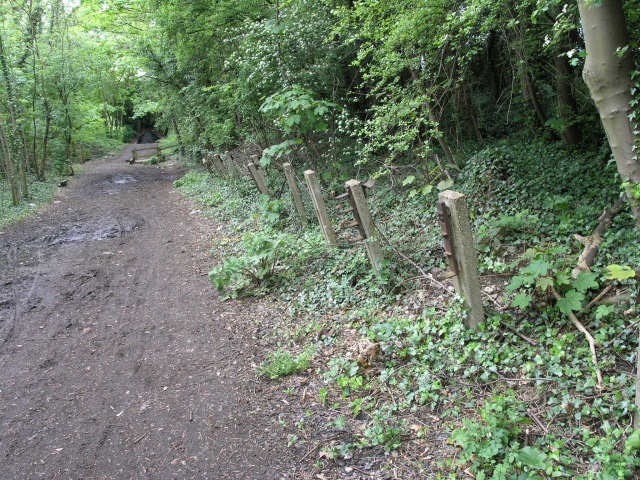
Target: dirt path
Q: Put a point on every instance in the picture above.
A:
(116, 361)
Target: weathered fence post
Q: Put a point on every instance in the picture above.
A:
(229, 164)
(321, 210)
(295, 193)
(366, 227)
(215, 158)
(134, 155)
(258, 177)
(462, 255)
(213, 163)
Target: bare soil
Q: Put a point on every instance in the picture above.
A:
(116, 359)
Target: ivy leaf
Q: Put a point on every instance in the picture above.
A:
(585, 281)
(409, 180)
(521, 301)
(531, 457)
(618, 272)
(572, 301)
(544, 283)
(537, 268)
(444, 184)
(604, 311)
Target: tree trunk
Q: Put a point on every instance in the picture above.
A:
(439, 135)
(7, 162)
(178, 136)
(567, 105)
(607, 74)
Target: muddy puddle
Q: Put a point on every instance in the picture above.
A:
(80, 232)
(112, 186)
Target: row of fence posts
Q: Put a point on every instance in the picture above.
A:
(452, 212)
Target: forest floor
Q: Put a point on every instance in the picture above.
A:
(116, 359)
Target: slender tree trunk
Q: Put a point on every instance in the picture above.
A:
(47, 110)
(10, 138)
(528, 88)
(567, 105)
(45, 138)
(495, 77)
(607, 74)
(471, 113)
(434, 119)
(178, 136)
(7, 163)
(439, 135)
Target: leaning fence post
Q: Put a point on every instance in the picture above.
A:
(362, 215)
(258, 177)
(466, 281)
(321, 210)
(295, 193)
(213, 159)
(229, 164)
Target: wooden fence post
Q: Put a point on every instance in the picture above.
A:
(258, 177)
(321, 210)
(213, 164)
(295, 193)
(134, 155)
(466, 281)
(229, 164)
(362, 215)
(215, 158)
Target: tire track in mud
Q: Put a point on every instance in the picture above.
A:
(115, 360)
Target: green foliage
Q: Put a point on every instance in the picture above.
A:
(492, 443)
(617, 272)
(41, 193)
(282, 363)
(548, 271)
(297, 112)
(264, 254)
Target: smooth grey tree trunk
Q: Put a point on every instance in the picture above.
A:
(607, 74)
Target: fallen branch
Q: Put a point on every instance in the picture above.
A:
(531, 342)
(590, 339)
(599, 297)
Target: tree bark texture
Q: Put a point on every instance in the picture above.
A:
(607, 74)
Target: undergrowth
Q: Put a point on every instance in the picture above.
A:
(519, 399)
(40, 194)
